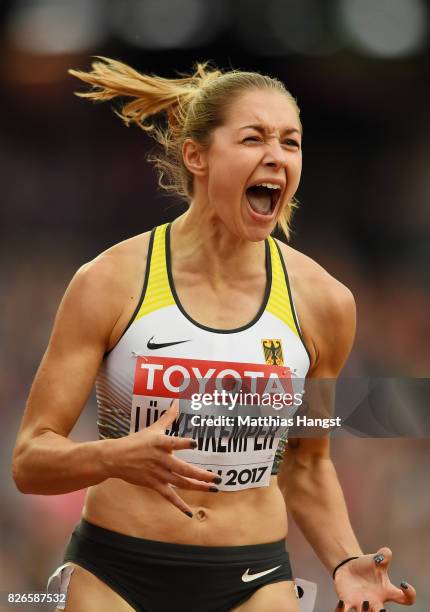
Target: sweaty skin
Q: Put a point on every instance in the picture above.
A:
(224, 518)
(114, 279)
(219, 275)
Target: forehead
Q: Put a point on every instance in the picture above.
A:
(270, 108)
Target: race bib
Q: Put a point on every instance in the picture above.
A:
(237, 438)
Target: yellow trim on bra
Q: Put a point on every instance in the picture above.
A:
(279, 303)
(158, 294)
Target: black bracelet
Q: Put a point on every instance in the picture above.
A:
(342, 563)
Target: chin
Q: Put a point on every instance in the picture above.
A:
(258, 233)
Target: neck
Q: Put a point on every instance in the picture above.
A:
(201, 241)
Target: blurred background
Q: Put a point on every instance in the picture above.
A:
(74, 181)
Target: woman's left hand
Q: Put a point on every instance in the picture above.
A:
(363, 584)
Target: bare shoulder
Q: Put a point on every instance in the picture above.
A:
(107, 288)
(326, 307)
(120, 262)
(306, 275)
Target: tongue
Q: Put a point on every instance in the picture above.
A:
(259, 200)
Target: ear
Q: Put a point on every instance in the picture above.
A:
(194, 157)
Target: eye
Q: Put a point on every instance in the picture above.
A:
(290, 142)
(252, 139)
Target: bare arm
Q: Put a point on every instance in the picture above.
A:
(307, 477)
(314, 497)
(45, 461)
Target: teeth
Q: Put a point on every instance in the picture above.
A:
(269, 185)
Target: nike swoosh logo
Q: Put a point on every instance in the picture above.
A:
(153, 345)
(247, 577)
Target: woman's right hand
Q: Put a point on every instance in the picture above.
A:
(146, 458)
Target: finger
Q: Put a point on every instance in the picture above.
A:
(191, 484)
(190, 471)
(172, 443)
(371, 606)
(166, 476)
(383, 557)
(167, 418)
(168, 493)
(406, 595)
(345, 606)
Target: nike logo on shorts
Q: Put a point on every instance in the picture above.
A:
(247, 577)
(153, 345)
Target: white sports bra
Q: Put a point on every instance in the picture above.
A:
(164, 353)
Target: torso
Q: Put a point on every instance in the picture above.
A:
(225, 518)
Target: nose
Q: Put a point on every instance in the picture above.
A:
(275, 156)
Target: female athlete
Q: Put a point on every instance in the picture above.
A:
(176, 518)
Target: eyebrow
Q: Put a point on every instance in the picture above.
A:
(263, 129)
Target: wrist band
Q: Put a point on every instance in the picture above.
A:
(342, 563)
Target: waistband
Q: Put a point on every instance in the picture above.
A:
(166, 550)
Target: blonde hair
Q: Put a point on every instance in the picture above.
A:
(193, 105)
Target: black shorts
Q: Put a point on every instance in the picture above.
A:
(159, 576)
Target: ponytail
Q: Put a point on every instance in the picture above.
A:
(151, 94)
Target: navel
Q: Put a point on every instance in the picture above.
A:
(200, 515)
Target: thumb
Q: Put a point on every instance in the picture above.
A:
(169, 416)
(383, 557)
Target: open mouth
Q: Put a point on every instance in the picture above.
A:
(264, 197)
